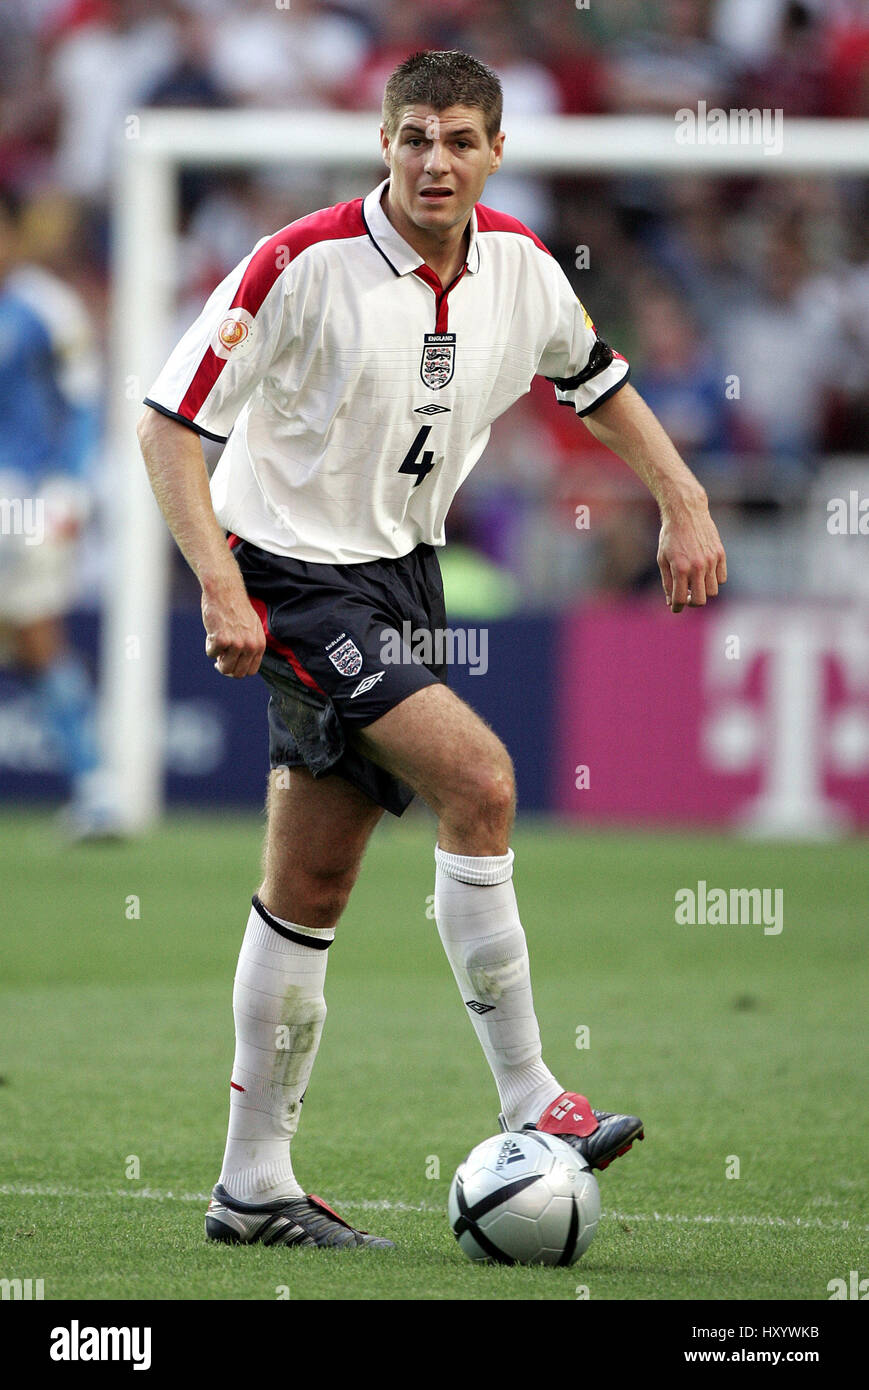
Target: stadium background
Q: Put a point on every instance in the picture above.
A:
(733, 1044)
(699, 281)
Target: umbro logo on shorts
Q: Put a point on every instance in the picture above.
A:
(368, 682)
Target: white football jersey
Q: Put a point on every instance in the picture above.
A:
(355, 393)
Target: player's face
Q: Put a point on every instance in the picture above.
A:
(439, 162)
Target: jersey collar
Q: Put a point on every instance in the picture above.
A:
(400, 256)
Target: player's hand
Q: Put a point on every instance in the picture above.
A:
(234, 637)
(690, 555)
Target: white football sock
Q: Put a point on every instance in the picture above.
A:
(279, 1010)
(478, 922)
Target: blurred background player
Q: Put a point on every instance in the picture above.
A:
(48, 395)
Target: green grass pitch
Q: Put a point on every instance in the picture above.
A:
(734, 1046)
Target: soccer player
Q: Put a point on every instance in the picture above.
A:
(354, 363)
(49, 376)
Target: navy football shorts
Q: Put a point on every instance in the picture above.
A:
(333, 633)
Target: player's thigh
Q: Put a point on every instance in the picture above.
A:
(316, 835)
(442, 749)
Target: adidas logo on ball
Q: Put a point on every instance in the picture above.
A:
(510, 1153)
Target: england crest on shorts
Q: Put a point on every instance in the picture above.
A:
(438, 360)
(347, 659)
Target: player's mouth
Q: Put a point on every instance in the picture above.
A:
(434, 195)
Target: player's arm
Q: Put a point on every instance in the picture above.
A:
(690, 554)
(179, 479)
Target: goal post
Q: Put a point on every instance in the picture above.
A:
(155, 147)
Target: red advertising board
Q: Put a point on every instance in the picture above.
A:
(742, 714)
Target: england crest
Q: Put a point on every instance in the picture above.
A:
(438, 360)
(347, 659)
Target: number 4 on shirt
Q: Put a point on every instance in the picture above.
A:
(412, 463)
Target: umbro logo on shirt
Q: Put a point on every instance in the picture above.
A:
(431, 410)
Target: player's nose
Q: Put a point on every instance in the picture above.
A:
(436, 159)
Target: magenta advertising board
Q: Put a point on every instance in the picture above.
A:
(743, 714)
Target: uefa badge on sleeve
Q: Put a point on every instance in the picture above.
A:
(234, 335)
(438, 360)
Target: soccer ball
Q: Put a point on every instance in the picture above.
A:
(524, 1198)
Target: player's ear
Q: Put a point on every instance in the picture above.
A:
(384, 147)
(497, 152)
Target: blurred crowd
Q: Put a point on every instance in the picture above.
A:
(742, 304)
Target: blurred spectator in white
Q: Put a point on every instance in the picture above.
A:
(105, 56)
(298, 57)
(786, 351)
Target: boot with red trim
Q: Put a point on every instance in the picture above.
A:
(599, 1135)
(301, 1221)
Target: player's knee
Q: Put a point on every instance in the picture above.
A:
(489, 797)
(321, 896)
(498, 796)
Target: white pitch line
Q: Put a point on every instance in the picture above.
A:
(151, 1194)
(793, 1222)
